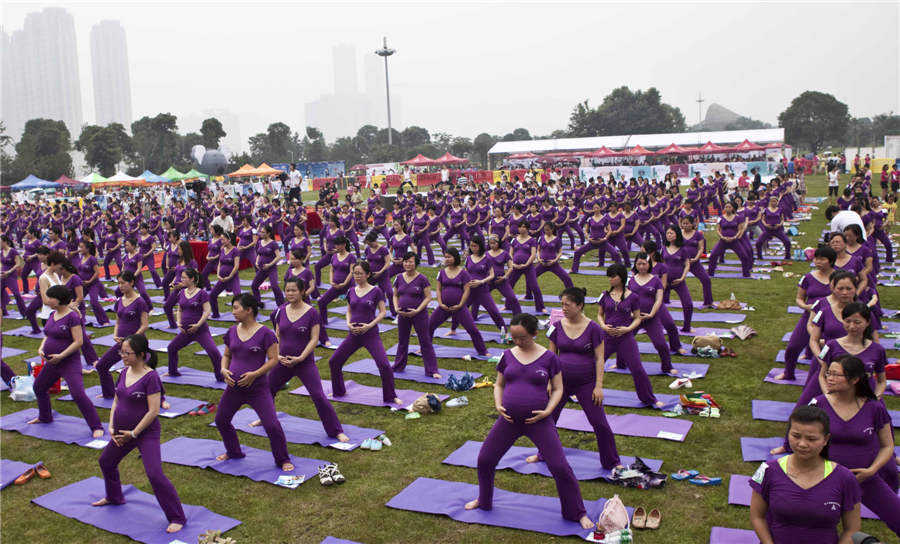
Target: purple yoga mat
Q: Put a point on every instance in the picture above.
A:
(367, 395)
(771, 410)
(463, 336)
(258, 465)
(12, 352)
(163, 326)
(703, 331)
(332, 540)
(629, 425)
(800, 376)
(629, 399)
(412, 372)
(140, 518)
(588, 272)
(340, 324)
(298, 430)
(698, 305)
(159, 346)
(10, 470)
(647, 348)
(179, 406)
(585, 464)
(707, 317)
(739, 493)
(781, 354)
(757, 449)
(449, 352)
(723, 535)
(13, 315)
(25, 332)
(68, 429)
(91, 321)
(555, 299)
(514, 510)
(655, 369)
(226, 317)
(740, 276)
(191, 376)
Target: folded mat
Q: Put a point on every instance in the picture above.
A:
(163, 326)
(68, 429)
(258, 465)
(178, 407)
(707, 317)
(449, 352)
(723, 535)
(739, 493)
(771, 410)
(513, 510)
(629, 425)
(367, 395)
(412, 372)
(12, 352)
(10, 470)
(140, 518)
(585, 464)
(299, 430)
(655, 369)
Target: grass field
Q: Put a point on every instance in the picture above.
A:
(357, 511)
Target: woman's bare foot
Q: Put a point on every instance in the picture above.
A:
(803, 357)
(682, 351)
(222, 457)
(85, 371)
(166, 374)
(398, 401)
(174, 527)
(327, 344)
(532, 459)
(472, 505)
(343, 438)
(99, 433)
(35, 421)
(165, 405)
(780, 376)
(777, 451)
(101, 502)
(436, 376)
(287, 467)
(256, 423)
(660, 404)
(897, 460)
(451, 332)
(586, 523)
(673, 372)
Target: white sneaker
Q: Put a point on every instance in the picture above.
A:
(459, 401)
(680, 382)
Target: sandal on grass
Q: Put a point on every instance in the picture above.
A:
(685, 474)
(335, 474)
(639, 518)
(325, 475)
(654, 518)
(705, 480)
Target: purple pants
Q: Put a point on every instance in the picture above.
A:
(384, 283)
(460, 233)
(330, 295)
(147, 444)
(885, 241)
(6, 373)
(250, 255)
(510, 299)
(272, 275)
(151, 266)
(260, 399)
(767, 235)
(233, 285)
(748, 248)
(626, 350)
(797, 343)
(481, 296)
(881, 499)
(557, 270)
(205, 340)
(110, 257)
(603, 247)
(107, 383)
(621, 244)
(654, 329)
(719, 251)
(71, 372)
(571, 229)
(423, 240)
(95, 291)
(169, 308)
(324, 261)
(34, 265)
(10, 282)
(439, 316)
(209, 268)
(646, 230)
(531, 284)
(371, 342)
(382, 231)
(687, 303)
(668, 323)
(309, 375)
(404, 326)
(545, 436)
(699, 272)
(167, 279)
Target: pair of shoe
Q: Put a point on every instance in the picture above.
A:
(372, 444)
(483, 383)
(710, 412)
(642, 520)
(681, 382)
(329, 474)
(40, 470)
(203, 410)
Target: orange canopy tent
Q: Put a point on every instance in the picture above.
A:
(242, 171)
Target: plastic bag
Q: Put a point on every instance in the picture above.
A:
(22, 389)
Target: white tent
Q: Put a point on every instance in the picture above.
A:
(124, 178)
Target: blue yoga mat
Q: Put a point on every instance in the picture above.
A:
(512, 510)
(298, 430)
(585, 464)
(367, 395)
(10, 470)
(629, 425)
(179, 407)
(655, 369)
(68, 429)
(449, 352)
(258, 465)
(140, 518)
(771, 410)
(333, 540)
(412, 372)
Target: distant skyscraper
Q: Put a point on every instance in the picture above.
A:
(345, 81)
(9, 115)
(43, 68)
(109, 66)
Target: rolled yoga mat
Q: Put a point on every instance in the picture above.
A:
(258, 465)
(299, 430)
(629, 425)
(585, 464)
(412, 372)
(513, 510)
(179, 407)
(140, 518)
(10, 470)
(367, 395)
(67, 429)
(449, 352)
(771, 410)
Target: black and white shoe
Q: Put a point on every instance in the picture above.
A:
(335, 474)
(325, 475)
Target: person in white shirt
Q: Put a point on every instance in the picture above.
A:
(841, 219)
(224, 220)
(445, 175)
(834, 181)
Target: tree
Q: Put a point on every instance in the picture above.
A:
(212, 132)
(814, 117)
(517, 135)
(188, 141)
(415, 136)
(859, 132)
(314, 147)
(460, 147)
(382, 137)
(624, 111)
(885, 124)
(442, 140)
(43, 150)
(482, 144)
(6, 160)
(386, 153)
(104, 148)
(344, 149)
(368, 134)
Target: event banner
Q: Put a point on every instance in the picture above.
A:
(382, 168)
(766, 168)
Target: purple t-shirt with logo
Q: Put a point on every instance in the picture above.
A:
(128, 318)
(59, 337)
(527, 384)
(576, 355)
(410, 294)
(295, 335)
(131, 401)
(249, 356)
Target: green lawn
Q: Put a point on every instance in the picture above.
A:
(356, 510)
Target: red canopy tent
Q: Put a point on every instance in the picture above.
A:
(67, 181)
(449, 159)
(636, 151)
(710, 148)
(604, 152)
(673, 150)
(747, 146)
(419, 160)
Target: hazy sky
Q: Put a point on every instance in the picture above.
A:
(482, 67)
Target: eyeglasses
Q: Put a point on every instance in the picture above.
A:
(124, 353)
(834, 375)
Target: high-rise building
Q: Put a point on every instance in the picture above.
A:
(109, 66)
(43, 68)
(345, 81)
(9, 115)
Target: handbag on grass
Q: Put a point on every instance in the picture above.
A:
(614, 517)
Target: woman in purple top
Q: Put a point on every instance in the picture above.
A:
(170, 260)
(616, 224)
(89, 272)
(348, 225)
(648, 215)
(63, 337)
(213, 249)
(411, 296)
(193, 310)
(32, 243)
(341, 280)
(676, 259)
(147, 246)
(267, 257)
(36, 304)
(597, 234)
(419, 228)
(549, 253)
(247, 238)
(499, 259)
(649, 289)
(567, 222)
(227, 272)
(10, 263)
(845, 261)
(297, 326)
(297, 260)
(379, 220)
(251, 351)
(730, 232)
(400, 242)
(499, 226)
(112, 243)
(695, 246)
(772, 222)
(523, 251)
(857, 248)
(133, 262)
(185, 261)
(813, 287)
(134, 423)
(132, 317)
(453, 288)
(365, 310)
(524, 375)
(619, 316)
(331, 232)
(379, 259)
(457, 225)
(481, 273)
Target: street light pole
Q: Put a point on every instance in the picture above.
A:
(385, 52)
(700, 102)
